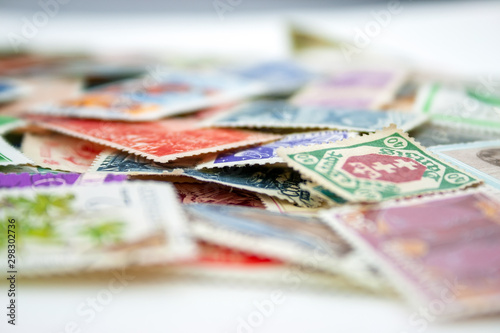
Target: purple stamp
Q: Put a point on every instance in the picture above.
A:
(266, 154)
(13, 180)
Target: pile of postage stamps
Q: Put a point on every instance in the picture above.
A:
(365, 177)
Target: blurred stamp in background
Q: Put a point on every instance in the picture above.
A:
(11, 90)
(459, 107)
(434, 135)
(50, 179)
(155, 96)
(279, 77)
(353, 89)
(482, 159)
(282, 114)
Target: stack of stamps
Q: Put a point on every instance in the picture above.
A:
(360, 177)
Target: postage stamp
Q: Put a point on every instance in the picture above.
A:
(266, 154)
(61, 152)
(283, 183)
(328, 196)
(352, 89)
(157, 96)
(17, 180)
(26, 169)
(44, 89)
(458, 107)
(281, 114)
(116, 161)
(302, 240)
(10, 90)
(279, 77)
(73, 228)
(216, 261)
(482, 159)
(404, 98)
(277, 205)
(441, 252)
(161, 141)
(385, 165)
(211, 193)
(221, 262)
(8, 123)
(438, 134)
(11, 156)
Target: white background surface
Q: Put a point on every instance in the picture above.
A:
(462, 38)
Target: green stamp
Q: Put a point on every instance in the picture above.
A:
(380, 166)
(6, 120)
(11, 156)
(465, 108)
(4, 158)
(8, 123)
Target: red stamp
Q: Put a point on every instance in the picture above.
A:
(161, 141)
(382, 167)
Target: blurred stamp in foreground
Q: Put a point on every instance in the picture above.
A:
(68, 229)
(8, 123)
(279, 114)
(443, 252)
(302, 240)
(11, 156)
(17, 180)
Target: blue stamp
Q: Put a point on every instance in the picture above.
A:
(180, 87)
(307, 234)
(123, 162)
(280, 77)
(280, 182)
(266, 154)
(11, 90)
(281, 114)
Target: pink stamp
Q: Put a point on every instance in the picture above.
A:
(443, 252)
(60, 152)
